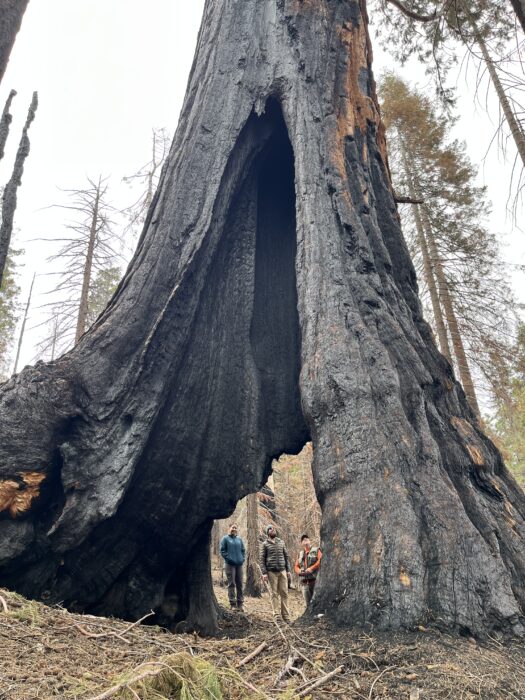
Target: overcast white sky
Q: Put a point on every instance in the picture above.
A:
(107, 71)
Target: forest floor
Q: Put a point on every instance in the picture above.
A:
(50, 653)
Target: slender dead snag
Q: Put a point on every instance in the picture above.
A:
(88, 265)
(5, 122)
(10, 191)
(23, 328)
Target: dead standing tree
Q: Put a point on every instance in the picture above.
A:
(11, 14)
(9, 197)
(271, 299)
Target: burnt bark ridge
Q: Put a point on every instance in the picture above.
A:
(271, 299)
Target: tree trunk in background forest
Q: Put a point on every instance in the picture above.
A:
(9, 197)
(427, 262)
(450, 315)
(253, 573)
(88, 266)
(515, 127)
(271, 300)
(434, 273)
(23, 329)
(11, 13)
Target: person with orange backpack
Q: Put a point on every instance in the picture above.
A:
(307, 567)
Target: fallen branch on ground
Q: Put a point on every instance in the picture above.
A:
(388, 668)
(290, 661)
(118, 635)
(315, 684)
(253, 654)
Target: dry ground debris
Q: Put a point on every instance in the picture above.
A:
(50, 653)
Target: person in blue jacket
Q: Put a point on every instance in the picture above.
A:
(233, 552)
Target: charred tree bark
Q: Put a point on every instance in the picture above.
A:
(11, 13)
(9, 197)
(271, 299)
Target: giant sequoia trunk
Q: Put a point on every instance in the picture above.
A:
(271, 299)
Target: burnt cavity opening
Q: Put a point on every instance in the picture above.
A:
(275, 333)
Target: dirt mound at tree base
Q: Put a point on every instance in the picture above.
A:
(50, 653)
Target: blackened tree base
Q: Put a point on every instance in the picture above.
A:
(271, 300)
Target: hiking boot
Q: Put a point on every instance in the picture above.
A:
(240, 608)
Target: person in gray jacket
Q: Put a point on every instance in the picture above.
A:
(275, 567)
(233, 552)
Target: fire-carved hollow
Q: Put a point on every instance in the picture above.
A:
(253, 276)
(275, 331)
(230, 404)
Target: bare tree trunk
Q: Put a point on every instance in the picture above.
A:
(433, 268)
(271, 300)
(215, 539)
(5, 123)
(253, 575)
(22, 330)
(88, 268)
(427, 263)
(514, 125)
(10, 191)
(450, 315)
(11, 13)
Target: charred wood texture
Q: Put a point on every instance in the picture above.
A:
(11, 13)
(271, 299)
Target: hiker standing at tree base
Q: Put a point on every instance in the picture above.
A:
(275, 567)
(233, 552)
(307, 567)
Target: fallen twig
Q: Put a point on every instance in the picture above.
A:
(320, 681)
(119, 635)
(253, 654)
(290, 661)
(125, 684)
(388, 668)
(299, 672)
(4, 604)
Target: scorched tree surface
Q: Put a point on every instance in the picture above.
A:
(271, 300)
